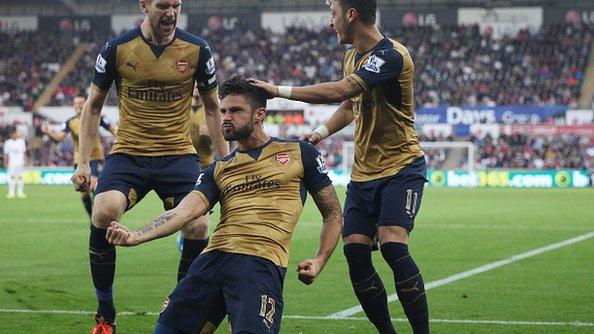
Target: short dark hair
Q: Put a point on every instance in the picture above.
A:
(365, 8)
(239, 85)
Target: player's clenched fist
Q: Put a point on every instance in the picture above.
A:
(119, 235)
(82, 177)
(308, 270)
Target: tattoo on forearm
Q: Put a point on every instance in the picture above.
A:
(160, 220)
(327, 202)
(355, 87)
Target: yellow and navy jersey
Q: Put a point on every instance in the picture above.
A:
(155, 86)
(385, 138)
(261, 193)
(72, 126)
(202, 142)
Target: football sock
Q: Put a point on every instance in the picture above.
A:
(409, 285)
(368, 286)
(20, 185)
(11, 186)
(191, 250)
(102, 256)
(88, 203)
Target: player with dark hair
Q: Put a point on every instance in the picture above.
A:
(97, 159)
(389, 171)
(155, 67)
(261, 188)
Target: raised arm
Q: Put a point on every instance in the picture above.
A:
(327, 202)
(191, 207)
(327, 92)
(55, 136)
(212, 115)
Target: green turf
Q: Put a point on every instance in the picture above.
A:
(43, 265)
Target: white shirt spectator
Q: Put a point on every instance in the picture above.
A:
(15, 149)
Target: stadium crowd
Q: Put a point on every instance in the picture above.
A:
(455, 65)
(520, 151)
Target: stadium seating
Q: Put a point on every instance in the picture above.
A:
(523, 69)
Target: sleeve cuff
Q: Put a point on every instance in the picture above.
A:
(360, 81)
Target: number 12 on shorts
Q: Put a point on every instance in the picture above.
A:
(265, 301)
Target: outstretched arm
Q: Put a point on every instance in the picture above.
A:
(191, 207)
(55, 136)
(342, 117)
(327, 202)
(327, 92)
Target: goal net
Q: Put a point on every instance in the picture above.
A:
(454, 155)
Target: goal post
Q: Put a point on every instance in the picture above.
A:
(466, 148)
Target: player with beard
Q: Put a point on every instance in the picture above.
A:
(155, 67)
(261, 188)
(389, 172)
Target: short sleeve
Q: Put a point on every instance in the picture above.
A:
(205, 76)
(315, 176)
(381, 66)
(207, 186)
(105, 67)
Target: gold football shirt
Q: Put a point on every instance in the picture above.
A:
(385, 138)
(261, 193)
(155, 86)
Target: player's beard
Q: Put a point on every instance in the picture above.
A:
(232, 133)
(344, 36)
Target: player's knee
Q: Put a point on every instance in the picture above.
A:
(356, 252)
(106, 210)
(392, 234)
(196, 229)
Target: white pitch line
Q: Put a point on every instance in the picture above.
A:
(304, 317)
(476, 271)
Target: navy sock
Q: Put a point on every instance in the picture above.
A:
(88, 203)
(368, 286)
(102, 256)
(191, 250)
(409, 285)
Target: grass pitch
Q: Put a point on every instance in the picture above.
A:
(45, 284)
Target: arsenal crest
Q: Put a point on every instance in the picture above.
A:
(283, 158)
(182, 66)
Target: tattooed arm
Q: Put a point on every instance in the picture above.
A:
(327, 92)
(329, 206)
(167, 223)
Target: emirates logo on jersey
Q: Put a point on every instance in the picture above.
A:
(182, 66)
(283, 158)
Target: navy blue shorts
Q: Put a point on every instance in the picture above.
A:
(96, 167)
(249, 289)
(172, 177)
(389, 201)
